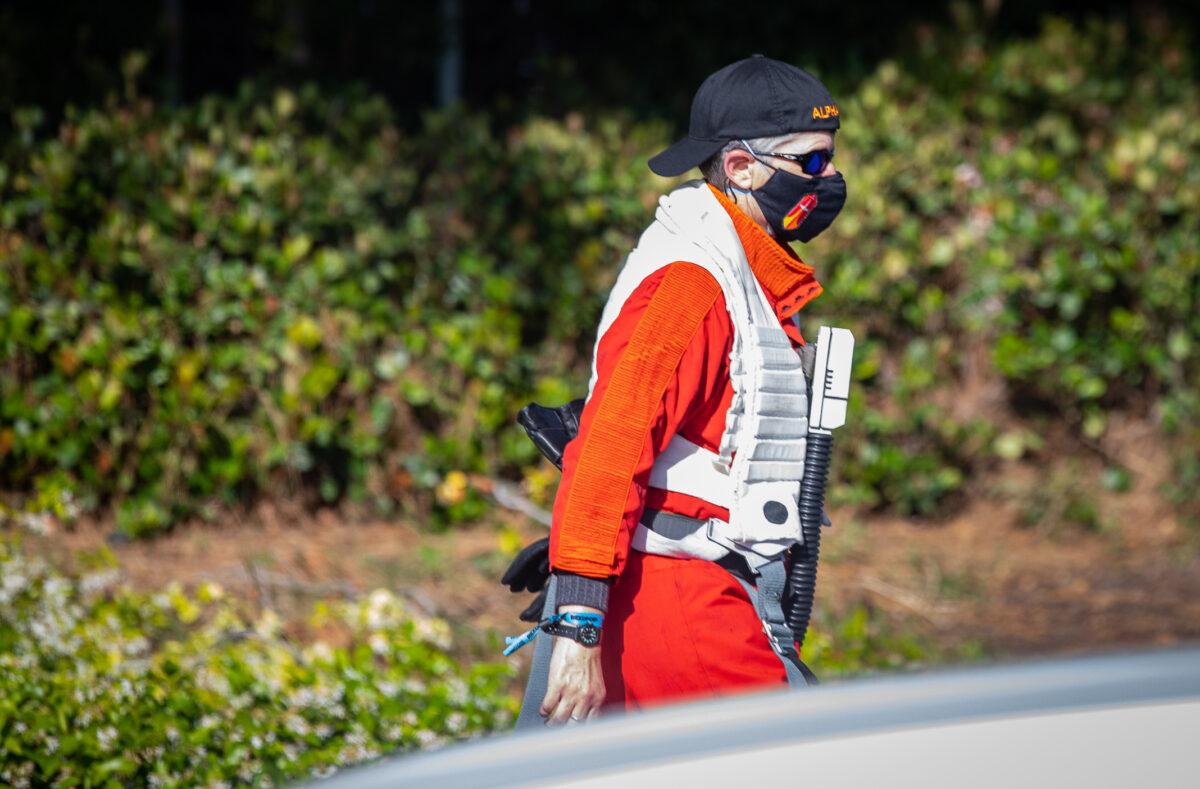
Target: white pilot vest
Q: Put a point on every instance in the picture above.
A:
(756, 472)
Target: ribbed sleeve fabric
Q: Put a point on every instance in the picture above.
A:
(575, 589)
(637, 404)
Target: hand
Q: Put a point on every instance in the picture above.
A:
(575, 689)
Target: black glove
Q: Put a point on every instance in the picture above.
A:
(530, 570)
(550, 429)
(534, 612)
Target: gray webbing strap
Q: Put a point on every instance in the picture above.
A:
(539, 671)
(671, 525)
(766, 596)
(767, 599)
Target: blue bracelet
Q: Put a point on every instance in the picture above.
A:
(571, 618)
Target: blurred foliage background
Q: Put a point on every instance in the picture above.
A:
(286, 290)
(235, 273)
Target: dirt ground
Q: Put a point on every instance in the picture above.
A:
(986, 574)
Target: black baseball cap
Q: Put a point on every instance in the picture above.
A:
(755, 97)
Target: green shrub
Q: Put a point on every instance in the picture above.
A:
(288, 294)
(1040, 200)
(860, 641)
(195, 305)
(104, 686)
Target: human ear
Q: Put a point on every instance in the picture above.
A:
(739, 169)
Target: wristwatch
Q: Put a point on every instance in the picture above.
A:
(583, 628)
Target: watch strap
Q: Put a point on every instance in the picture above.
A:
(577, 626)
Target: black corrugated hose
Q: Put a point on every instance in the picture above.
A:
(802, 578)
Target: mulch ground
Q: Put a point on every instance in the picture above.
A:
(982, 575)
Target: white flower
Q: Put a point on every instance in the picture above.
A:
(248, 771)
(57, 589)
(40, 523)
(320, 651)
(435, 631)
(458, 691)
(138, 645)
(98, 581)
(12, 583)
(211, 680)
(968, 176)
(296, 725)
(70, 506)
(379, 603)
(389, 365)
(107, 737)
(268, 625)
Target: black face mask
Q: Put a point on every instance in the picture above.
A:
(797, 208)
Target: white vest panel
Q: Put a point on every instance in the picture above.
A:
(756, 472)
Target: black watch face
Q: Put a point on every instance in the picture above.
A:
(589, 635)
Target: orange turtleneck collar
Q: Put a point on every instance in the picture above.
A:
(787, 280)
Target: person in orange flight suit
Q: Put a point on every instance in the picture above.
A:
(762, 133)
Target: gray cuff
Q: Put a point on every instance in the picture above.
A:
(575, 589)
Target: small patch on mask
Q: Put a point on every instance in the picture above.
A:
(799, 212)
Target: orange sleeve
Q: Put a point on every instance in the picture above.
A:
(660, 358)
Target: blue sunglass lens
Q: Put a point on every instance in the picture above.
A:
(814, 162)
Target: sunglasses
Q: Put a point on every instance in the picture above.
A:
(812, 163)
